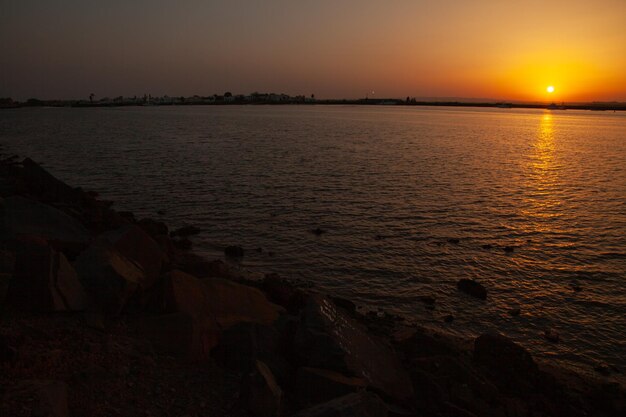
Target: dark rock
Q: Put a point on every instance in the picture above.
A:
(153, 228)
(243, 344)
(136, 245)
(487, 246)
(127, 215)
(182, 243)
(44, 280)
(359, 404)
(576, 287)
(344, 303)
(506, 361)
(473, 288)
(328, 338)
(314, 386)
(427, 299)
(7, 352)
(109, 277)
(41, 397)
(417, 343)
(45, 185)
(186, 231)
(454, 241)
(552, 335)
(180, 334)
(318, 231)
(515, 311)
(233, 251)
(449, 318)
(509, 249)
(261, 393)
(20, 216)
(281, 292)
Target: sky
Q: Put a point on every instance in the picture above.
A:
(504, 50)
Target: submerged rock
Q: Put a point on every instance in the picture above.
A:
(552, 335)
(186, 231)
(234, 251)
(318, 231)
(473, 288)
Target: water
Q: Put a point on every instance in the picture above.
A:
(391, 186)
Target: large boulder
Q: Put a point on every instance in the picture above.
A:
(233, 303)
(261, 393)
(135, 244)
(45, 185)
(359, 404)
(328, 338)
(21, 216)
(44, 280)
(7, 268)
(38, 398)
(315, 386)
(473, 288)
(109, 277)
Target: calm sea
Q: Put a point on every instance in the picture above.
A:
(393, 187)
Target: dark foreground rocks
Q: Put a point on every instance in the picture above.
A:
(105, 315)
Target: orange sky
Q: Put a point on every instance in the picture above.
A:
(507, 50)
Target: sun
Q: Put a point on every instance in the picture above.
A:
(550, 89)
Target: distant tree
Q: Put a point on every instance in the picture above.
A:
(228, 94)
(313, 96)
(34, 102)
(91, 97)
(408, 99)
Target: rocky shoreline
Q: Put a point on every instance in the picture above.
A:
(105, 314)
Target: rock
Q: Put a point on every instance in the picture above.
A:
(426, 299)
(7, 352)
(109, 277)
(153, 227)
(328, 338)
(182, 292)
(41, 397)
(314, 386)
(506, 361)
(473, 288)
(552, 335)
(318, 231)
(509, 249)
(417, 343)
(576, 287)
(454, 241)
(261, 392)
(136, 245)
(281, 292)
(186, 231)
(241, 345)
(449, 318)
(344, 303)
(44, 280)
(233, 251)
(515, 311)
(487, 246)
(180, 334)
(359, 404)
(21, 216)
(233, 303)
(182, 243)
(42, 183)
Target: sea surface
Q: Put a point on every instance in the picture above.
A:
(393, 188)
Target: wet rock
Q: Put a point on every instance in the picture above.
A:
(328, 338)
(22, 216)
(506, 361)
(426, 299)
(136, 245)
(487, 246)
(233, 251)
(186, 231)
(473, 288)
(344, 303)
(127, 215)
(449, 318)
(182, 292)
(182, 243)
(281, 292)
(359, 404)
(44, 280)
(576, 287)
(515, 311)
(7, 352)
(318, 231)
(180, 334)
(45, 185)
(153, 227)
(109, 277)
(509, 249)
(454, 241)
(261, 392)
(417, 343)
(552, 335)
(314, 386)
(41, 397)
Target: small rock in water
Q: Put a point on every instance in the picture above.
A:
(270, 253)
(552, 335)
(576, 287)
(318, 231)
(427, 299)
(603, 369)
(449, 318)
(509, 249)
(473, 288)
(234, 251)
(259, 250)
(487, 246)
(160, 212)
(515, 311)
(186, 231)
(454, 241)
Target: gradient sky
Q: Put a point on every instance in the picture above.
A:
(343, 48)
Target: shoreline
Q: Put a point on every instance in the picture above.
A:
(280, 343)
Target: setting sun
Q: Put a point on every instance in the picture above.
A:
(550, 89)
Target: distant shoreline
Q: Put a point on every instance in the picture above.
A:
(296, 101)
